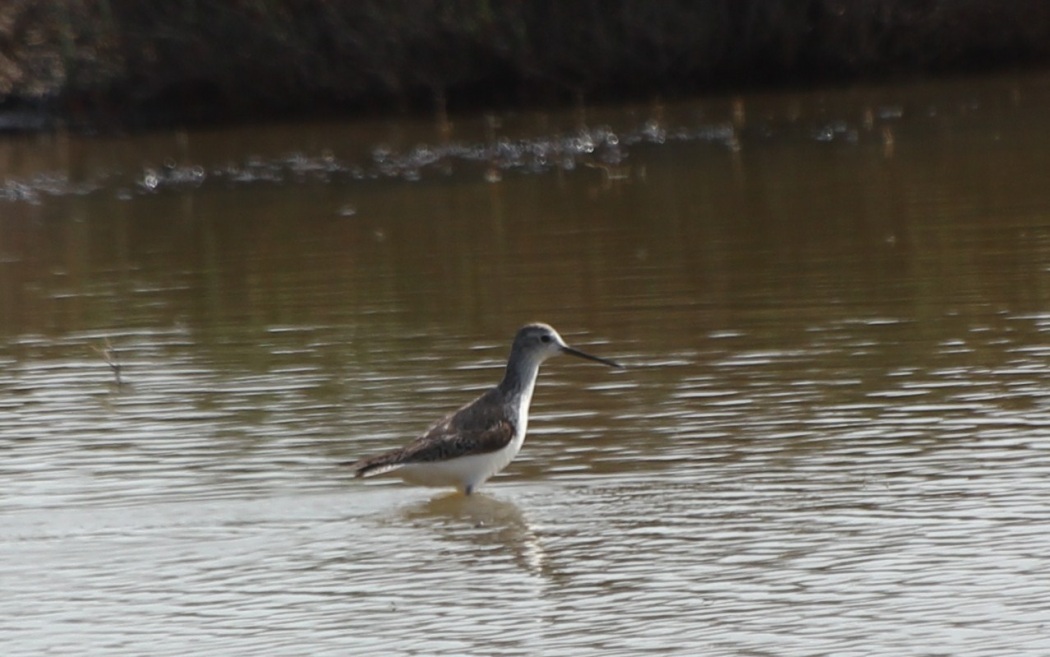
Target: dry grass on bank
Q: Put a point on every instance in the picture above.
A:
(218, 58)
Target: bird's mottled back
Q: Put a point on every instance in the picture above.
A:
(480, 427)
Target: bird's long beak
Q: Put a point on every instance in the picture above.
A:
(580, 354)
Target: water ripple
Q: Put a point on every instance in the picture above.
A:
(748, 500)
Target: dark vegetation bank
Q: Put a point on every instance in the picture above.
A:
(120, 62)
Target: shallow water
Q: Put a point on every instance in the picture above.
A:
(832, 438)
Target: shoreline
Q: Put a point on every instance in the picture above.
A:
(132, 64)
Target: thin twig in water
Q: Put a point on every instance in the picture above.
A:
(112, 359)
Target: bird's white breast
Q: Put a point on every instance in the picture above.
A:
(470, 471)
(463, 471)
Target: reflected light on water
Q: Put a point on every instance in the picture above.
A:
(744, 501)
(831, 437)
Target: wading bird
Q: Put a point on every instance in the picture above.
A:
(472, 444)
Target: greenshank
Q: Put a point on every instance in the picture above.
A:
(472, 444)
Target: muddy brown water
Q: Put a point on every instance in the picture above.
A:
(832, 437)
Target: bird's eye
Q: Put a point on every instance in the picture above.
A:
(545, 338)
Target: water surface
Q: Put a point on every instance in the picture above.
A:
(831, 438)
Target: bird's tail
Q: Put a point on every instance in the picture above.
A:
(375, 465)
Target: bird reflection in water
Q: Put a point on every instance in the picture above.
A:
(487, 521)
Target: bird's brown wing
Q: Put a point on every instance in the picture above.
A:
(478, 428)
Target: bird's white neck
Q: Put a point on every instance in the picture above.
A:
(520, 377)
(517, 387)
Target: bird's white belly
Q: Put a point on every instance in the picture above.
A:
(465, 472)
